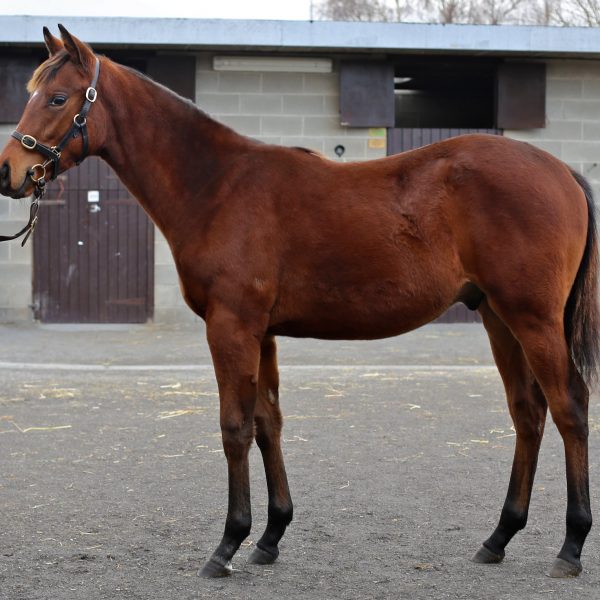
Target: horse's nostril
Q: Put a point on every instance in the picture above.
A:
(4, 173)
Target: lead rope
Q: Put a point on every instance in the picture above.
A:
(40, 190)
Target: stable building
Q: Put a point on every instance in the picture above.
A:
(352, 91)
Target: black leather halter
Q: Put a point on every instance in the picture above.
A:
(37, 173)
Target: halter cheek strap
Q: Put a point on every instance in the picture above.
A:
(37, 173)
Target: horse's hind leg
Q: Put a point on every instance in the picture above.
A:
(546, 350)
(542, 339)
(527, 407)
(269, 422)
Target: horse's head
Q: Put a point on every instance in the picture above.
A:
(52, 136)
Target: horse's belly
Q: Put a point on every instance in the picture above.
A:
(385, 310)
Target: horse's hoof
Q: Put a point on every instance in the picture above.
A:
(262, 557)
(485, 556)
(564, 568)
(213, 569)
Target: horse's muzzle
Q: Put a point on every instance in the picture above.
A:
(5, 186)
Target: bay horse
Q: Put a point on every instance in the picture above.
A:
(271, 241)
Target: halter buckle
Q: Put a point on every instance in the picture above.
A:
(79, 124)
(91, 94)
(29, 142)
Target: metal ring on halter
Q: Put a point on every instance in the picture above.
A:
(33, 170)
(29, 142)
(77, 122)
(91, 94)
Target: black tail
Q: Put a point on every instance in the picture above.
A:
(582, 316)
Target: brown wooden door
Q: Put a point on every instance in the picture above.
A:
(400, 140)
(93, 260)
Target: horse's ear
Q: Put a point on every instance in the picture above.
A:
(80, 53)
(52, 43)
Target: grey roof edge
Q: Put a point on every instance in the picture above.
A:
(308, 35)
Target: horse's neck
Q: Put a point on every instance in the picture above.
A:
(169, 154)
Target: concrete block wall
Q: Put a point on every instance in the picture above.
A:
(15, 261)
(572, 131)
(291, 109)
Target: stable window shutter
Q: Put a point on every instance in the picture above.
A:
(15, 72)
(521, 95)
(366, 94)
(178, 73)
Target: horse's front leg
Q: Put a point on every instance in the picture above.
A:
(235, 349)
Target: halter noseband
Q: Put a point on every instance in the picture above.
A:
(37, 173)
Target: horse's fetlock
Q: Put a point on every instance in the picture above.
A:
(281, 514)
(238, 527)
(579, 520)
(513, 518)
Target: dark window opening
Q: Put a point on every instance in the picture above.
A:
(445, 92)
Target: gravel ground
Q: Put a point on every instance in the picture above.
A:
(113, 480)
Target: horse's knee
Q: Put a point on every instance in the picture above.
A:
(237, 435)
(268, 419)
(268, 395)
(268, 427)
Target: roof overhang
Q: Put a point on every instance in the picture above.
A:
(306, 36)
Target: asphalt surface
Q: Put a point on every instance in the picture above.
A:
(185, 346)
(113, 480)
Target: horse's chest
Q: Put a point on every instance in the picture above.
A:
(193, 285)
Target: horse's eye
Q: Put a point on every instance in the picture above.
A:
(57, 100)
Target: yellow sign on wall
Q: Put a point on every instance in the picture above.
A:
(377, 143)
